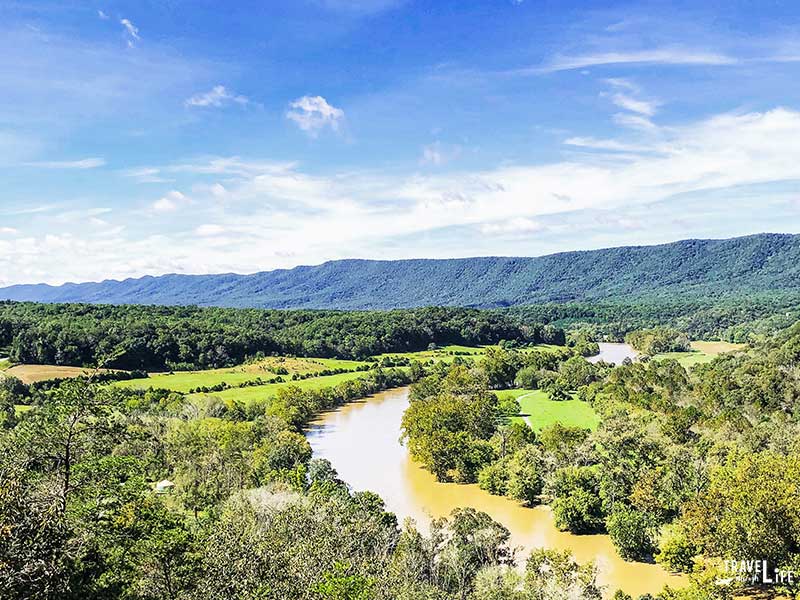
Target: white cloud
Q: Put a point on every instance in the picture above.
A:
(643, 107)
(132, 32)
(8, 231)
(102, 15)
(313, 113)
(208, 230)
(280, 217)
(515, 226)
(663, 56)
(612, 145)
(85, 163)
(170, 202)
(217, 96)
(634, 122)
(146, 175)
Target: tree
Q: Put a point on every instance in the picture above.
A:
(525, 470)
(494, 477)
(676, 551)
(471, 540)
(633, 533)
(576, 504)
(554, 575)
(448, 430)
(750, 508)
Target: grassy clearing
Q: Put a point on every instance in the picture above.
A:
(33, 373)
(539, 411)
(184, 381)
(449, 353)
(702, 352)
(248, 394)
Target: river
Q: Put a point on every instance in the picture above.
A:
(614, 353)
(361, 441)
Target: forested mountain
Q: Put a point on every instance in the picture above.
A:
(691, 269)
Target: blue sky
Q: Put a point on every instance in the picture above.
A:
(196, 136)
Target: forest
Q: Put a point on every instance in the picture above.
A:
(184, 338)
(687, 468)
(115, 492)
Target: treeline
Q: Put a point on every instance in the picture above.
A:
(686, 468)
(182, 338)
(731, 319)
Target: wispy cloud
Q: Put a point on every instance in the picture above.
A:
(438, 154)
(313, 114)
(516, 226)
(663, 56)
(84, 163)
(102, 15)
(643, 107)
(146, 175)
(218, 96)
(131, 31)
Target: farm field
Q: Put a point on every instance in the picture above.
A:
(183, 381)
(33, 373)
(702, 352)
(539, 411)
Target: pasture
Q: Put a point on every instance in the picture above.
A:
(539, 411)
(183, 381)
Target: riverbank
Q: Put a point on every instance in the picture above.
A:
(361, 441)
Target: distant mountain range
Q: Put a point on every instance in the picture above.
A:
(690, 269)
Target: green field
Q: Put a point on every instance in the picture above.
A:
(449, 353)
(702, 352)
(183, 381)
(539, 411)
(248, 394)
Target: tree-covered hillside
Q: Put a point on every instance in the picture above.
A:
(690, 269)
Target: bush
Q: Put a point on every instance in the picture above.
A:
(676, 551)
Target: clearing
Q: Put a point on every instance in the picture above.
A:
(539, 411)
(702, 352)
(34, 373)
(273, 366)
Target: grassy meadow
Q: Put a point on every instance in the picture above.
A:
(183, 381)
(539, 411)
(259, 392)
(702, 352)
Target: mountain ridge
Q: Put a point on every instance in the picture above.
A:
(695, 268)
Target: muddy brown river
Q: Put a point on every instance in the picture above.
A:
(361, 441)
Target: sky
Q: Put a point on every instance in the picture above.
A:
(195, 136)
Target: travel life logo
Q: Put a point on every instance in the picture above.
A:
(757, 572)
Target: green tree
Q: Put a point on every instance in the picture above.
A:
(633, 533)
(525, 475)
